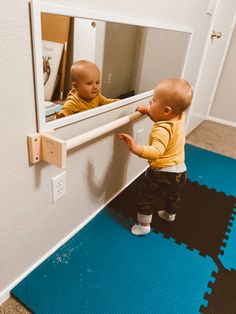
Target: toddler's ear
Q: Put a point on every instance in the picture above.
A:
(168, 110)
(74, 85)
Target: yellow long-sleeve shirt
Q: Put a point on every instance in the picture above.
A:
(166, 144)
(74, 104)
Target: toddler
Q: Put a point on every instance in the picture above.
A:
(166, 173)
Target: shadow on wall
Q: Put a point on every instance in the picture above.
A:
(115, 175)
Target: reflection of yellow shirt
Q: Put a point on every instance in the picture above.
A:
(166, 144)
(74, 104)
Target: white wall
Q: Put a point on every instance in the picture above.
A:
(30, 225)
(212, 62)
(224, 107)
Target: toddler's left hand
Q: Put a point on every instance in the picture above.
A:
(131, 143)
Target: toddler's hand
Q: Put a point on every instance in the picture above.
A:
(143, 109)
(59, 115)
(131, 143)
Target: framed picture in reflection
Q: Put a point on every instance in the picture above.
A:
(51, 54)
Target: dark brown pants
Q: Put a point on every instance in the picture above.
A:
(160, 185)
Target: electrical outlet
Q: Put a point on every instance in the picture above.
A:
(109, 77)
(139, 135)
(58, 186)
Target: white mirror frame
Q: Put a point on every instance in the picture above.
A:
(40, 6)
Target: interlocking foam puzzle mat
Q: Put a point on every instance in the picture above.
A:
(188, 266)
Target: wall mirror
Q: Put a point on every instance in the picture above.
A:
(132, 55)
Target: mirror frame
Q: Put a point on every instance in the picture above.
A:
(39, 6)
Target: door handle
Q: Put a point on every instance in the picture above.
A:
(216, 35)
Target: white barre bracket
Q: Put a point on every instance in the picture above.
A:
(53, 150)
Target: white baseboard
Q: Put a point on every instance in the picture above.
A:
(5, 294)
(222, 121)
(193, 122)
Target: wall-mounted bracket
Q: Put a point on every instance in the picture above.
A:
(34, 148)
(48, 148)
(53, 149)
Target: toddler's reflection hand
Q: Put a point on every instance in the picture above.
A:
(59, 115)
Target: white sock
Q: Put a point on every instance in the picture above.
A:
(140, 230)
(166, 216)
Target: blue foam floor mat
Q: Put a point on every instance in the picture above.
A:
(218, 172)
(211, 169)
(105, 269)
(228, 258)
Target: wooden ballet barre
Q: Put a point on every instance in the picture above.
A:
(53, 150)
(88, 136)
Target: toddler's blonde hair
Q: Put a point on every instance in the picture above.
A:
(175, 93)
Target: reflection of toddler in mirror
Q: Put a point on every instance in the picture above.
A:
(85, 92)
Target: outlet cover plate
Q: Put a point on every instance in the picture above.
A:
(58, 186)
(139, 135)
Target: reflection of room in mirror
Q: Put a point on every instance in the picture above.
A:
(132, 59)
(136, 58)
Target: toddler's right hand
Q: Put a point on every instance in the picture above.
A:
(59, 115)
(143, 109)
